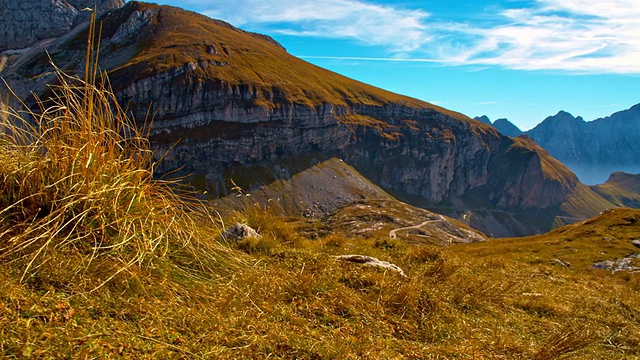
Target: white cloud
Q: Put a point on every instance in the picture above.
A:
(568, 35)
(573, 35)
(401, 30)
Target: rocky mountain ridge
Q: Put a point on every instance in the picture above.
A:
(23, 23)
(592, 149)
(233, 100)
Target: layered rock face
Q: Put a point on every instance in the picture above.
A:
(596, 148)
(231, 100)
(22, 23)
(432, 157)
(592, 149)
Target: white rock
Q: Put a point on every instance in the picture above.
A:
(371, 261)
(239, 232)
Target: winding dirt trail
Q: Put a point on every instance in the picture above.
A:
(392, 233)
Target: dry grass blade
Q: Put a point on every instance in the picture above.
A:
(77, 175)
(564, 341)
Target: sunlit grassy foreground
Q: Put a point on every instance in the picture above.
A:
(100, 260)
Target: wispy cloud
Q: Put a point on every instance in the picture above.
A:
(567, 35)
(572, 35)
(402, 30)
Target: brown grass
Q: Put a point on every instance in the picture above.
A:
(295, 301)
(621, 189)
(77, 178)
(119, 266)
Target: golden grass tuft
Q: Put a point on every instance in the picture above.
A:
(76, 177)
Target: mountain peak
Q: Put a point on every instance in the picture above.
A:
(563, 116)
(506, 127)
(592, 149)
(483, 119)
(629, 116)
(630, 181)
(622, 189)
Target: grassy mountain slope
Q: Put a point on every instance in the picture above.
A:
(621, 189)
(122, 267)
(288, 298)
(236, 98)
(245, 58)
(604, 237)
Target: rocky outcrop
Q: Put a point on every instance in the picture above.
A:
(626, 263)
(22, 23)
(560, 263)
(239, 232)
(526, 163)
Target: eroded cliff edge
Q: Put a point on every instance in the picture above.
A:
(234, 100)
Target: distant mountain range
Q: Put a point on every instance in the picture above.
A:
(233, 107)
(591, 149)
(502, 125)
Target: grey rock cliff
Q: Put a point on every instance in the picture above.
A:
(506, 127)
(204, 96)
(593, 149)
(22, 23)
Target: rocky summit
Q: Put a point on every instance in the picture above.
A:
(225, 101)
(592, 149)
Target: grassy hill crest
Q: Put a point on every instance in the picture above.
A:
(175, 38)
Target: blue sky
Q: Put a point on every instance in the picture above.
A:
(518, 59)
